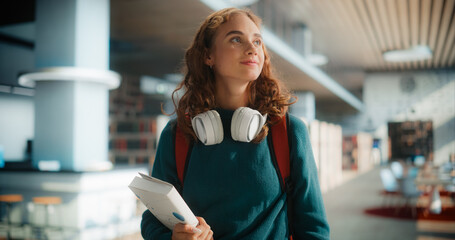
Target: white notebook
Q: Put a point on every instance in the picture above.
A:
(163, 201)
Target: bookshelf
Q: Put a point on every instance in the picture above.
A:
(132, 140)
(411, 138)
(133, 119)
(357, 152)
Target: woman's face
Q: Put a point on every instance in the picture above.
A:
(237, 55)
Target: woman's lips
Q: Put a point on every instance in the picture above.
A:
(249, 63)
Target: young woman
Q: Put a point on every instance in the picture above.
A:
(230, 181)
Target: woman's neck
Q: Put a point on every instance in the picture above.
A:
(231, 97)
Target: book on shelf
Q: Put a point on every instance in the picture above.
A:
(163, 201)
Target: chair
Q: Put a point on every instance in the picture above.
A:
(397, 169)
(9, 200)
(389, 183)
(47, 202)
(419, 161)
(435, 204)
(413, 172)
(409, 191)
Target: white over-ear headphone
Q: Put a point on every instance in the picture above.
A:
(246, 124)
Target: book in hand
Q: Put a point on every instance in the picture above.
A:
(163, 201)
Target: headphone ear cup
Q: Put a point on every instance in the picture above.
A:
(217, 126)
(235, 124)
(246, 124)
(208, 127)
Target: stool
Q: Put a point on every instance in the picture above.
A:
(46, 201)
(9, 200)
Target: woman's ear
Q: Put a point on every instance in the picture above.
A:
(209, 60)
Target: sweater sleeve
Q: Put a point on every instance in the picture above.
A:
(164, 168)
(309, 219)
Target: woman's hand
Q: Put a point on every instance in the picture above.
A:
(185, 231)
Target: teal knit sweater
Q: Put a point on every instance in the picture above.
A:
(235, 188)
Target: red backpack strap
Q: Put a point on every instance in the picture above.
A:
(182, 149)
(280, 143)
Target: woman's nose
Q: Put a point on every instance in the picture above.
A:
(251, 49)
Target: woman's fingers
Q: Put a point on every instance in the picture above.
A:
(206, 232)
(183, 228)
(185, 231)
(207, 235)
(196, 230)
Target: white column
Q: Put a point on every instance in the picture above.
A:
(72, 84)
(71, 116)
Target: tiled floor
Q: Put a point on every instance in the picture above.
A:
(345, 205)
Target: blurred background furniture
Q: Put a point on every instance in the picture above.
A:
(409, 192)
(390, 185)
(397, 169)
(40, 227)
(8, 200)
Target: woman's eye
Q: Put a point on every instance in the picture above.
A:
(235, 40)
(257, 42)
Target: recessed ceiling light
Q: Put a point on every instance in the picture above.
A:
(416, 53)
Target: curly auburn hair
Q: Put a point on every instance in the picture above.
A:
(265, 94)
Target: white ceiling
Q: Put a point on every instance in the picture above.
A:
(150, 37)
(355, 33)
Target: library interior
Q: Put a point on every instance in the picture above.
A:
(85, 85)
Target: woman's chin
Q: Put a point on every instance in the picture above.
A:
(252, 77)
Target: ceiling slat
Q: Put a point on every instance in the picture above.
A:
(335, 24)
(452, 57)
(414, 21)
(403, 18)
(368, 28)
(357, 38)
(369, 46)
(450, 43)
(346, 53)
(377, 28)
(434, 27)
(393, 15)
(390, 44)
(444, 28)
(374, 26)
(331, 12)
(425, 9)
(387, 31)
